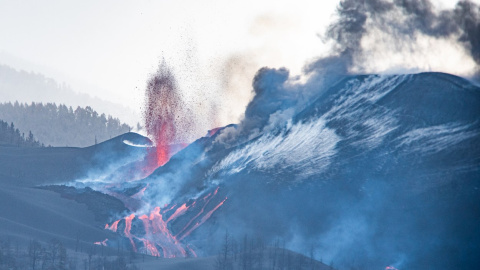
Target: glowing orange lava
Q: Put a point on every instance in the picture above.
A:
(202, 220)
(128, 228)
(112, 227)
(158, 240)
(180, 211)
(151, 248)
(207, 199)
(192, 251)
(213, 131)
(139, 194)
(164, 139)
(165, 210)
(102, 243)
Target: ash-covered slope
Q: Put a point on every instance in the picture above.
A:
(50, 165)
(31, 210)
(373, 171)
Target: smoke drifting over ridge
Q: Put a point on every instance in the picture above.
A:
(369, 36)
(405, 31)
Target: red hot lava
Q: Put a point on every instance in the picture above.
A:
(128, 228)
(101, 243)
(158, 240)
(112, 227)
(164, 112)
(212, 132)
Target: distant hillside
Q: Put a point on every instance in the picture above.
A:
(10, 136)
(27, 87)
(61, 125)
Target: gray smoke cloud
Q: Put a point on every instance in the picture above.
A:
(401, 22)
(400, 25)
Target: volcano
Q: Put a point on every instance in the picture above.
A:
(376, 170)
(372, 171)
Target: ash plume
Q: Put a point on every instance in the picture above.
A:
(365, 33)
(400, 24)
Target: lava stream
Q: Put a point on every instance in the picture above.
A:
(202, 220)
(157, 234)
(165, 210)
(139, 194)
(112, 227)
(192, 251)
(207, 199)
(180, 211)
(128, 228)
(102, 243)
(161, 235)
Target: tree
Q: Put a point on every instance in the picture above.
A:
(12, 137)
(59, 125)
(245, 258)
(234, 249)
(120, 263)
(257, 248)
(274, 254)
(224, 258)
(312, 257)
(62, 257)
(34, 252)
(30, 138)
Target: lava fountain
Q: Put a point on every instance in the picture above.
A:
(164, 111)
(167, 119)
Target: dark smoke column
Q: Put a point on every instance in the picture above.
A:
(163, 107)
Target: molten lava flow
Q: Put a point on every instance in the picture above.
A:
(165, 210)
(149, 246)
(212, 132)
(171, 247)
(180, 211)
(192, 251)
(152, 249)
(202, 220)
(112, 227)
(139, 194)
(207, 199)
(102, 243)
(158, 240)
(128, 228)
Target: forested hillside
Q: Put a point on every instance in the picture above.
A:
(59, 125)
(29, 86)
(11, 136)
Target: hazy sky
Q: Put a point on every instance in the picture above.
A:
(109, 48)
